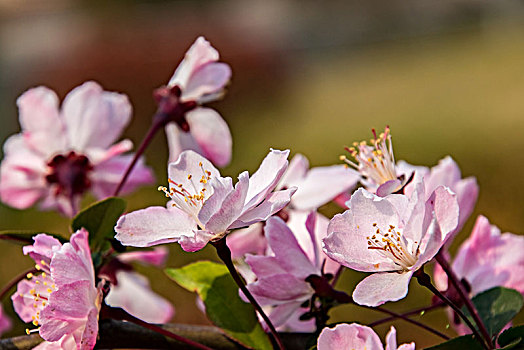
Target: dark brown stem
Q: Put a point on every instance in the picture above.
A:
(408, 313)
(464, 296)
(224, 253)
(14, 282)
(157, 124)
(424, 280)
(120, 314)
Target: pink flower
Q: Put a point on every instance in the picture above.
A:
(315, 187)
(355, 336)
(5, 321)
(61, 154)
(204, 205)
(485, 260)
(63, 300)
(281, 274)
(131, 290)
(392, 236)
(200, 78)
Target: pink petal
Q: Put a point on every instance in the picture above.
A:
(5, 321)
(264, 180)
(249, 240)
(444, 204)
(23, 300)
(190, 163)
(222, 187)
(212, 135)
(287, 250)
(40, 121)
(231, 206)
(195, 242)
(199, 54)
(273, 203)
(388, 188)
(391, 339)
(349, 336)
(321, 185)
(43, 249)
(179, 141)
(207, 80)
(264, 266)
(297, 169)
(107, 175)
(156, 257)
(467, 191)
(378, 288)
(283, 287)
(94, 117)
(154, 225)
(133, 293)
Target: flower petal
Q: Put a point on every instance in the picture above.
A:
(378, 288)
(282, 287)
(349, 336)
(154, 225)
(206, 80)
(94, 117)
(156, 257)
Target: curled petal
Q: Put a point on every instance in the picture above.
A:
(378, 288)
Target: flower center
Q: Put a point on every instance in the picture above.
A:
(38, 296)
(191, 194)
(393, 245)
(376, 162)
(69, 173)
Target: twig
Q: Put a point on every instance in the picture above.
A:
(408, 313)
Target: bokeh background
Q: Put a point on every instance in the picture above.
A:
(311, 76)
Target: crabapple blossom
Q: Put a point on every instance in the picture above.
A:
(131, 290)
(63, 300)
(315, 187)
(392, 237)
(62, 153)
(281, 274)
(198, 79)
(485, 260)
(204, 206)
(356, 336)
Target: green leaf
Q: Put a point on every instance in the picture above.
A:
(496, 306)
(99, 220)
(512, 338)
(224, 307)
(25, 237)
(461, 343)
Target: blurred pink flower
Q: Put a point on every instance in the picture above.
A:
(315, 187)
(355, 336)
(392, 236)
(485, 260)
(204, 205)
(60, 154)
(279, 278)
(5, 321)
(131, 290)
(199, 78)
(63, 300)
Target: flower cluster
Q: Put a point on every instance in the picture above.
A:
(395, 219)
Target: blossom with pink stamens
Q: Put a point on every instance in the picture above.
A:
(392, 236)
(199, 79)
(485, 260)
(356, 336)
(62, 153)
(204, 206)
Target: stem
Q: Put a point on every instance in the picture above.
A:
(424, 280)
(121, 314)
(225, 255)
(15, 281)
(463, 295)
(409, 313)
(155, 126)
(324, 289)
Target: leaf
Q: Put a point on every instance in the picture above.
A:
(512, 338)
(496, 306)
(99, 219)
(25, 237)
(461, 343)
(224, 307)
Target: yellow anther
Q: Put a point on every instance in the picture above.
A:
(27, 331)
(189, 176)
(342, 157)
(32, 292)
(29, 275)
(44, 275)
(49, 290)
(43, 303)
(35, 305)
(200, 164)
(35, 322)
(37, 282)
(42, 262)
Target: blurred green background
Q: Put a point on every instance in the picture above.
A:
(448, 77)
